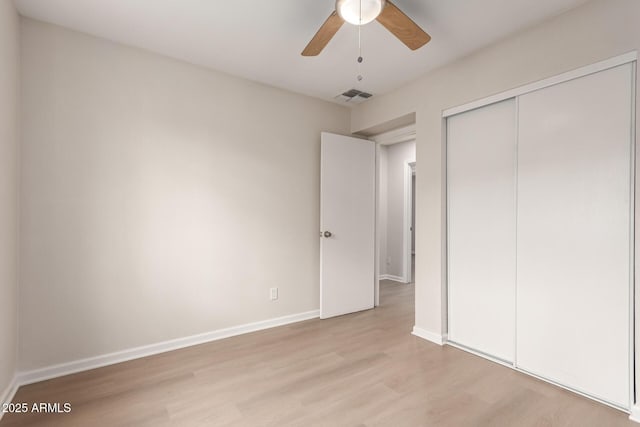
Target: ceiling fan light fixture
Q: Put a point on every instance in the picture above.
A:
(349, 10)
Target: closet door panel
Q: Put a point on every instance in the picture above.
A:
(481, 229)
(573, 229)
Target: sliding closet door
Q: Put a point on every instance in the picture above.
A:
(481, 229)
(573, 250)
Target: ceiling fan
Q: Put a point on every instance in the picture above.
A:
(360, 12)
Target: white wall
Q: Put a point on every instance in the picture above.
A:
(159, 199)
(9, 134)
(593, 32)
(397, 156)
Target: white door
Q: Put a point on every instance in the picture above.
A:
(481, 147)
(574, 216)
(347, 224)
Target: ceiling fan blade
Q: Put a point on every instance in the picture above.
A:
(324, 35)
(401, 26)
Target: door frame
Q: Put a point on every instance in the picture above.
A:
(409, 168)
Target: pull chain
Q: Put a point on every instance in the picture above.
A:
(359, 77)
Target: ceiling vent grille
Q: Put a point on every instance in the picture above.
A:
(353, 96)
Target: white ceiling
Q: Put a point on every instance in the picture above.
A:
(261, 40)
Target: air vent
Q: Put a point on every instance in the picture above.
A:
(353, 96)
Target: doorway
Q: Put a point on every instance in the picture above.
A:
(395, 225)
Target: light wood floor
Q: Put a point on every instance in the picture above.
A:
(363, 369)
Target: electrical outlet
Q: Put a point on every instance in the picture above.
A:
(273, 294)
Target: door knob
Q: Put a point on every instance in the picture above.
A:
(327, 234)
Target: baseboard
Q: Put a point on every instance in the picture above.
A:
(392, 277)
(8, 393)
(635, 413)
(54, 371)
(429, 336)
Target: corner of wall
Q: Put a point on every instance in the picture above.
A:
(433, 337)
(6, 395)
(10, 146)
(18, 172)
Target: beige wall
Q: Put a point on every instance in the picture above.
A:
(9, 131)
(590, 33)
(159, 199)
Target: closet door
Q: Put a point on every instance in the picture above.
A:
(481, 229)
(573, 250)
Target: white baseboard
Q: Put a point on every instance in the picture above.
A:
(392, 277)
(635, 413)
(429, 336)
(8, 393)
(54, 371)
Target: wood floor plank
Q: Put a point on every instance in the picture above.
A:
(364, 369)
